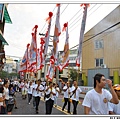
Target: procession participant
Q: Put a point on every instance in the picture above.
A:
(115, 108)
(75, 92)
(38, 91)
(49, 98)
(57, 91)
(30, 89)
(96, 100)
(66, 90)
(6, 94)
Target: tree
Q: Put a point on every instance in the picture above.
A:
(74, 74)
(4, 74)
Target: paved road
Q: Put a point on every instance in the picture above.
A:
(25, 109)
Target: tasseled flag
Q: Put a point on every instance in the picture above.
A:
(33, 47)
(53, 58)
(24, 62)
(49, 18)
(57, 33)
(79, 54)
(65, 55)
(46, 40)
(51, 72)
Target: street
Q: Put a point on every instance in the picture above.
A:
(27, 109)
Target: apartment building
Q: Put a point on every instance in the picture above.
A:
(101, 49)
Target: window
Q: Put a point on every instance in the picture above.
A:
(98, 62)
(98, 44)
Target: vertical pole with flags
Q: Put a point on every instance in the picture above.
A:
(54, 57)
(79, 54)
(33, 49)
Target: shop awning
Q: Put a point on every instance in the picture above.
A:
(6, 16)
(3, 40)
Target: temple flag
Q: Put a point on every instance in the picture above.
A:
(79, 54)
(24, 61)
(33, 47)
(65, 55)
(57, 32)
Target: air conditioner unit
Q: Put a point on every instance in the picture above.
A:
(103, 66)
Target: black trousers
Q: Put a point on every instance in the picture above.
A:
(66, 100)
(37, 101)
(75, 103)
(49, 105)
(29, 97)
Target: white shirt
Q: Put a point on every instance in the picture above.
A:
(30, 89)
(56, 91)
(76, 95)
(48, 92)
(114, 107)
(6, 93)
(1, 96)
(66, 93)
(38, 93)
(95, 102)
(33, 90)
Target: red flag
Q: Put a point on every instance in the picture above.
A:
(24, 62)
(57, 33)
(51, 72)
(81, 35)
(33, 47)
(65, 55)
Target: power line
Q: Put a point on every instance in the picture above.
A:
(98, 34)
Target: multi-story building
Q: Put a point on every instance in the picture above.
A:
(4, 18)
(101, 49)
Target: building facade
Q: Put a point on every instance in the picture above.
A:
(101, 49)
(4, 18)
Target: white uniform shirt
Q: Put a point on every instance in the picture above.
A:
(30, 89)
(48, 92)
(114, 107)
(66, 93)
(57, 89)
(95, 102)
(33, 90)
(76, 95)
(38, 93)
(6, 93)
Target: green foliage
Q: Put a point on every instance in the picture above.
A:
(4, 74)
(74, 74)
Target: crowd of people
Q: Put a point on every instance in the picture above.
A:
(97, 101)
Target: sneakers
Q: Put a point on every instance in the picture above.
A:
(16, 108)
(29, 103)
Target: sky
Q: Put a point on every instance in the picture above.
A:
(25, 16)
